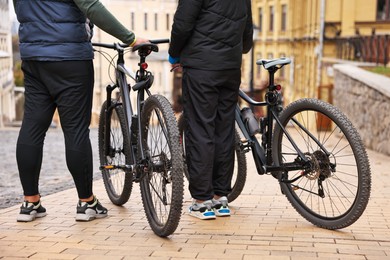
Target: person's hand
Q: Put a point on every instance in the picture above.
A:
(173, 60)
(139, 41)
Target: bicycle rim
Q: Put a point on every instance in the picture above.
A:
(117, 182)
(335, 191)
(162, 182)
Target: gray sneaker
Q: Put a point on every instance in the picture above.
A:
(29, 211)
(88, 212)
(221, 207)
(202, 210)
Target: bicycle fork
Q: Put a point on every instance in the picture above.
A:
(108, 150)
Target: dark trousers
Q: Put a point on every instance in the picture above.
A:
(210, 98)
(67, 86)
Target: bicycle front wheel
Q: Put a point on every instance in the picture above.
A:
(162, 184)
(114, 153)
(239, 171)
(333, 190)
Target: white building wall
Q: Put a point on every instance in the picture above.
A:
(7, 102)
(150, 19)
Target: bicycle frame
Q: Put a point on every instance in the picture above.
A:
(144, 80)
(263, 158)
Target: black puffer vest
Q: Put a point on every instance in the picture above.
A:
(53, 30)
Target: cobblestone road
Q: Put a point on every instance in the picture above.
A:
(54, 175)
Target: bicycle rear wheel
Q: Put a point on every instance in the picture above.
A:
(118, 182)
(162, 183)
(240, 169)
(334, 190)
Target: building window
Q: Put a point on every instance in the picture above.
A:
(271, 18)
(383, 10)
(145, 21)
(155, 21)
(132, 20)
(168, 23)
(282, 72)
(284, 18)
(260, 25)
(258, 67)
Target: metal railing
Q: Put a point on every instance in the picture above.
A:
(374, 48)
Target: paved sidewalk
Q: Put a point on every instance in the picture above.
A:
(263, 226)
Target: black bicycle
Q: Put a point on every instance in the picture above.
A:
(313, 150)
(141, 145)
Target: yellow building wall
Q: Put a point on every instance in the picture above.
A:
(296, 42)
(334, 8)
(301, 40)
(365, 11)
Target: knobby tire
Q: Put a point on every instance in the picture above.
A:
(345, 188)
(162, 184)
(118, 182)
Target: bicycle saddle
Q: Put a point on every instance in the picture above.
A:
(271, 63)
(146, 48)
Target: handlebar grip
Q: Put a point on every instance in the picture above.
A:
(158, 41)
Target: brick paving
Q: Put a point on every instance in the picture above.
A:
(263, 226)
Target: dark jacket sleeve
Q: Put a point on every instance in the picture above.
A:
(247, 41)
(183, 24)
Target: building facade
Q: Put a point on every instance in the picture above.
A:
(308, 32)
(150, 19)
(7, 102)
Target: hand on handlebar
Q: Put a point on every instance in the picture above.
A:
(140, 41)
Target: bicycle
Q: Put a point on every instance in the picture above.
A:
(312, 149)
(140, 145)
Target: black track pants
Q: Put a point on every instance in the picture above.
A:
(210, 98)
(68, 86)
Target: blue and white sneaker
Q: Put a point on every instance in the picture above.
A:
(89, 211)
(220, 207)
(202, 210)
(29, 211)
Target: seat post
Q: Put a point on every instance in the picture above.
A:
(271, 72)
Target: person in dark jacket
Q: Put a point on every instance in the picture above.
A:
(56, 52)
(208, 38)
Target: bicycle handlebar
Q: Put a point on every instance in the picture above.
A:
(110, 45)
(158, 41)
(124, 45)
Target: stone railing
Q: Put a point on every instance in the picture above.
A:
(365, 98)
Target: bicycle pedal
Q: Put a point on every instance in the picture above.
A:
(107, 167)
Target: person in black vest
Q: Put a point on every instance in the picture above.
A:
(208, 38)
(56, 52)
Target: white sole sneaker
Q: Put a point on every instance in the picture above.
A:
(208, 214)
(31, 217)
(222, 212)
